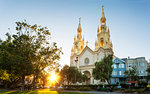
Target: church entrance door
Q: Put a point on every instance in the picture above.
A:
(87, 73)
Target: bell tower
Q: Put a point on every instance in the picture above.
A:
(103, 34)
(78, 44)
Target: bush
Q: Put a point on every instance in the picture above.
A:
(123, 85)
(84, 89)
(104, 89)
(134, 90)
(87, 87)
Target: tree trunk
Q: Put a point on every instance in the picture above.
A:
(68, 82)
(23, 82)
(108, 81)
(34, 78)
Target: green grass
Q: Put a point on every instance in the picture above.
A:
(37, 92)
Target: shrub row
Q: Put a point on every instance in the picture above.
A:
(86, 87)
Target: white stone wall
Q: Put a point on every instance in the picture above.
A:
(93, 57)
(100, 56)
(88, 55)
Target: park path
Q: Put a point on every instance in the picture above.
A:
(97, 92)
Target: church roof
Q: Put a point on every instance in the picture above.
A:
(87, 48)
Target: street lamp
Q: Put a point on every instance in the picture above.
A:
(76, 61)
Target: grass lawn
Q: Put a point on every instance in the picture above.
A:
(37, 92)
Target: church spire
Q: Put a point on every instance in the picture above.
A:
(108, 29)
(98, 30)
(103, 19)
(103, 37)
(79, 27)
(78, 44)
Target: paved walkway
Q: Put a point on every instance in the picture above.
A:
(98, 92)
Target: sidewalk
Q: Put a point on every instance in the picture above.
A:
(97, 92)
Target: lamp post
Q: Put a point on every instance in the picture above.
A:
(76, 66)
(76, 61)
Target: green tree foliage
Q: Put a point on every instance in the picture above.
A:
(103, 69)
(148, 73)
(84, 78)
(28, 52)
(43, 77)
(4, 75)
(71, 75)
(132, 73)
(15, 55)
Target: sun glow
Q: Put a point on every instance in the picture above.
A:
(53, 78)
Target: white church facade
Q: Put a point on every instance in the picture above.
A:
(83, 57)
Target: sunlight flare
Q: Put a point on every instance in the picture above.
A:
(53, 78)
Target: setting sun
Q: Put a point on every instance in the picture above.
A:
(53, 78)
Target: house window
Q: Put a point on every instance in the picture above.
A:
(114, 80)
(142, 71)
(114, 73)
(120, 72)
(114, 66)
(121, 65)
(142, 64)
(129, 65)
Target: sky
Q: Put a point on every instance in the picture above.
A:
(128, 21)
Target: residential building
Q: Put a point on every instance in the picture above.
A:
(140, 63)
(119, 67)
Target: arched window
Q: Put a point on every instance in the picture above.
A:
(81, 47)
(102, 42)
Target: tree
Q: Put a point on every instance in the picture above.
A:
(84, 78)
(132, 73)
(15, 57)
(4, 75)
(71, 75)
(28, 51)
(103, 69)
(148, 73)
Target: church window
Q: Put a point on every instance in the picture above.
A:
(102, 42)
(86, 60)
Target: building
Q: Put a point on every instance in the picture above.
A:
(140, 65)
(119, 67)
(83, 57)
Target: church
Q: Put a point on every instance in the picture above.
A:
(83, 57)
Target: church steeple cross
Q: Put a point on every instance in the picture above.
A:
(102, 7)
(79, 19)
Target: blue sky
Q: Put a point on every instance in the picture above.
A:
(128, 21)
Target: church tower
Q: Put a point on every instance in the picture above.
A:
(103, 34)
(78, 44)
